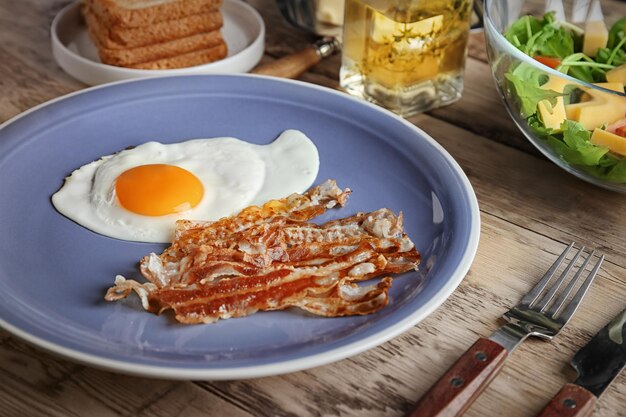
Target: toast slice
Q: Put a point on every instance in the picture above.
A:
(159, 51)
(190, 59)
(120, 37)
(135, 13)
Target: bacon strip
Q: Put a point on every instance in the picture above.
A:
(296, 207)
(271, 258)
(256, 248)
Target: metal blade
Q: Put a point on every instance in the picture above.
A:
(602, 359)
(509, 336)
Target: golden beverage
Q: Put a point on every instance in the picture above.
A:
(406, 55)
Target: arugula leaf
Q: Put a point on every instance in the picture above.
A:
(616, 33)
(582, 67)
(587, 73)
(548, 18)
(576, 147)
(605, 54)
(553, 42)
(572, 157)
(522, 30)
(617, 173)
(530, 74)
(526, 82)
(609, 169)
(615, 54)
(538, 128)
(541, 37)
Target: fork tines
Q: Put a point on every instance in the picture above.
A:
(544, 303)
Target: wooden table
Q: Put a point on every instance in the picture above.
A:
(529, 210)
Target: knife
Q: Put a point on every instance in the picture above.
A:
(597, 364)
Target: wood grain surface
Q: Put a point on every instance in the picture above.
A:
(529, 210)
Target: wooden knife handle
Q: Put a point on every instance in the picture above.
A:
(290, 66)
(572, 401)
(463, 382)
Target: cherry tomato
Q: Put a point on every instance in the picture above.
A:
(548, 61)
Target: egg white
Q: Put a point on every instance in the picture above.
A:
(234, 173)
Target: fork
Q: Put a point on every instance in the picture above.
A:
(537, 314)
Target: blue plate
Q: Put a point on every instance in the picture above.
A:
(53, 272)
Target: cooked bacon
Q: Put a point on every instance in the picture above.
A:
(271, 258)
(325, 290)
(296, 207)
(348, 300)
(256, 248)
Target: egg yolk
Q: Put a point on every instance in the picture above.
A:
(158, 189)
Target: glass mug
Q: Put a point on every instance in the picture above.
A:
(405, 55)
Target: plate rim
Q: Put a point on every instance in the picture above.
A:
(293, 365)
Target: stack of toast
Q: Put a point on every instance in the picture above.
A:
(156, 34)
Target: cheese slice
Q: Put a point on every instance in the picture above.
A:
(612, 85)
(602, 109)
(606, 113)
(614, 142)
(617, 75)
(596, 36)
(553, 116)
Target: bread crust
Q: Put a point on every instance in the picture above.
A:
(158, 51)
(156, 34)
(120, 37)
(190, 59)
(147, 12)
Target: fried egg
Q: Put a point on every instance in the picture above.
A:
(139, 193)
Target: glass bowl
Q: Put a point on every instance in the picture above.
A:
(567, 145)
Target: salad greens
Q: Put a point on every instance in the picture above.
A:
(526, 80)
(561, 42)
(541, 37)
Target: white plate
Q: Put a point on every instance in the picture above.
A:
(73, 50)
